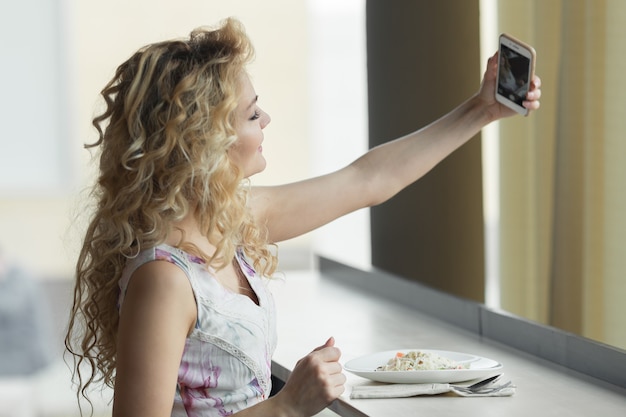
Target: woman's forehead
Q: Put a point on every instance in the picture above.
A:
(247, 93)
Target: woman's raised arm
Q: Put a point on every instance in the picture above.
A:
(293, 209)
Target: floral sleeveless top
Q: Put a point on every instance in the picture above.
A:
(226, 363)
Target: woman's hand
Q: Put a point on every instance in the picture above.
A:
(315, 382)
(487, 92)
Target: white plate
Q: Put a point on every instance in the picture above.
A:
(479, 367)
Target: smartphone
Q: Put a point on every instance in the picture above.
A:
(516, 67)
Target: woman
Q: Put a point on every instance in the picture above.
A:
(170, 305)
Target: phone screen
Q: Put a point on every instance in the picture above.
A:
(514, 75)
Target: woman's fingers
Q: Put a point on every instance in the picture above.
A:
(534, 94)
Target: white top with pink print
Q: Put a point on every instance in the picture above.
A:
(226, 364)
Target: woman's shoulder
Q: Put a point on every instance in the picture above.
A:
(159, 292)
(163, 277)
(174, 267)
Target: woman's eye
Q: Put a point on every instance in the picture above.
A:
(256, 115)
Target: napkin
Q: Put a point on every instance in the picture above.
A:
(397, 390)
(412, 390)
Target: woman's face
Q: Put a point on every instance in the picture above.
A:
(247, 152)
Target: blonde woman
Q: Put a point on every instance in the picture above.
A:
(170, 307)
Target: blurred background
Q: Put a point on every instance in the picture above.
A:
(547, 237)
(309, 73)
(59, 58)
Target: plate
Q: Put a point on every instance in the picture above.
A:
(479, 367)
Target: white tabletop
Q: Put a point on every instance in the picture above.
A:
(312, 307)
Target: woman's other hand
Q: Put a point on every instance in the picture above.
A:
(315, 382)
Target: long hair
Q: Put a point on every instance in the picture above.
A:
(164, 137)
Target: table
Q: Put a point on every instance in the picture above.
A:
(312, 306)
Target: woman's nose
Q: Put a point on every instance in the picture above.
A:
(265, 120)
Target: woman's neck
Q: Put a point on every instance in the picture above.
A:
(187, 231)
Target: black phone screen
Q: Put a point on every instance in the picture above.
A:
(513, 76)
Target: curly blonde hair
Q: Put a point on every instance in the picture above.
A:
(163, 139)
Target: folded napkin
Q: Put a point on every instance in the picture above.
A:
(397, 390)
(412, 390)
